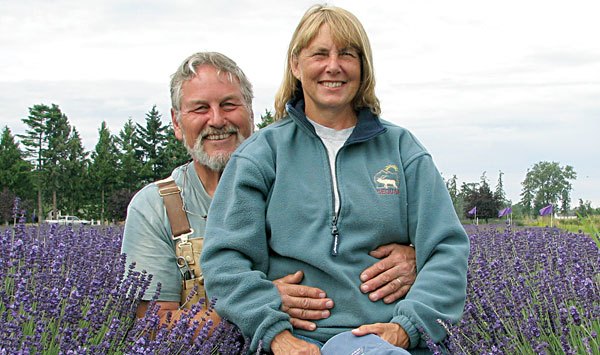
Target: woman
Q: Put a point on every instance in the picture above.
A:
(318, 189)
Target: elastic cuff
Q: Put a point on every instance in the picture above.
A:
(410, 329)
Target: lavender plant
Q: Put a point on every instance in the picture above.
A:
(530, 291)
(67, 290)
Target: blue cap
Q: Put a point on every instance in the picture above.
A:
(347, 343)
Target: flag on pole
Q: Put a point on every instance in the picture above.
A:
(504, 212)
(472, 211)
(546, 210)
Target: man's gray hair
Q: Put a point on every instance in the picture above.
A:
(223, 64)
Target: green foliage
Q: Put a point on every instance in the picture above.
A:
(481, 196)
(73, 193)
(265, 119)
(151, 141)
(173, 154)
(102, 170)
(15, 171)
(130, 158)
(547, 183)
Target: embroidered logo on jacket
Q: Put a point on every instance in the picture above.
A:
(386, 180)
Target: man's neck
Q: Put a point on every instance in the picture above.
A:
(208, 177)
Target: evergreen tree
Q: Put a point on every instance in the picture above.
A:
(265, 119)
(481, 196)
(35, 144)
(57, 134)
(130, 159)
(15, 171)
(173, 154)
(102, 169)
(499, 192)
(152, 139)
(75, 191)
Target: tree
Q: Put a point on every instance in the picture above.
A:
(265, 119)
(481, 196)
(173, 154)
(57, 134)
(499, 192)
(15, 171)
(152, 139)
(76, 192)
(547, 183)
(35, 143)
(457, 198)
(130, 158)
(102, 169)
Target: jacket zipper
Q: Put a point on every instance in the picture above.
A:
(335, 233)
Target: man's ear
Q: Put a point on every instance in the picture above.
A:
(176, 127)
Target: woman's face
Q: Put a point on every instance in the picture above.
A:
(330, 76)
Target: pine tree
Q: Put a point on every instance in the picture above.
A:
(75, 192)
(57, 133)
(35, 144)
(102, 169)
(265, 119)
(152, 139)
(15, 171)
(173, 154)
(130, 159)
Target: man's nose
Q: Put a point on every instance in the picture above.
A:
(217, 118)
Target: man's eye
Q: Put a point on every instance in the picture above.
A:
(229, 106)
(201, 109)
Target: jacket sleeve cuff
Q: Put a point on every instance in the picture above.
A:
(410, 329)
(269, 334)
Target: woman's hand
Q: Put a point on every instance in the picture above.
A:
(393, 333)
(285, 343)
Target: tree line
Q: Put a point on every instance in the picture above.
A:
(49, 170)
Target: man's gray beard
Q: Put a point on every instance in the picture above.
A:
(215, 162)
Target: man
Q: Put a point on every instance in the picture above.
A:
(211, 112)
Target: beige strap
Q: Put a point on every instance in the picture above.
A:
(187, 250)
(171, 194)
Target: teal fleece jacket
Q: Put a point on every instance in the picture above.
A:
(273, 214)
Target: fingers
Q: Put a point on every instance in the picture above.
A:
(294, 278)
(303, 324)
(391, 284)
(382, 251)
(293, 290)
(393, 333)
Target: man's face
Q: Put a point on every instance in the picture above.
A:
(214, 119)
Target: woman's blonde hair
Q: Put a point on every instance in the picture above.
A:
(347, 31)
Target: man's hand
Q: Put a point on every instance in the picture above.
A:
(393, 333)
(286, 343)
(302, 303)
(391, 277)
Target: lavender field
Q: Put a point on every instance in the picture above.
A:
(63, 290)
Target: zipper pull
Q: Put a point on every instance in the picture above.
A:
(336, 238)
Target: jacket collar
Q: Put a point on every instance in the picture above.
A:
(367, 126)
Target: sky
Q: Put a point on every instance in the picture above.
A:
(486, 86)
